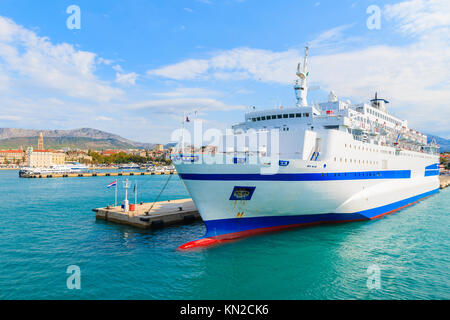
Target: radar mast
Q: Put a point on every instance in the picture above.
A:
(301, 89)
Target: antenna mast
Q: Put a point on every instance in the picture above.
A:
(301, 89)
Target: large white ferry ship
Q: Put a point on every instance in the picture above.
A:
(329, 162)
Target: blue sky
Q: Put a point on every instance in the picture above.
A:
(134, 67)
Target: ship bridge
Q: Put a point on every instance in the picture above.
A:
(277, 118)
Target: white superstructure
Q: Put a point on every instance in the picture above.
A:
(284, 167)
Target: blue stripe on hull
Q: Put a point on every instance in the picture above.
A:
(429, 173)
(228, 226)
(361, 175)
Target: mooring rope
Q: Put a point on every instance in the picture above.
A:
(164, 187)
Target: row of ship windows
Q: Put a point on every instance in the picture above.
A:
(281, 116)
(356, 161)
(382, 116)
(368, 149)
(344, 174)
(384, 151)
(418, 156)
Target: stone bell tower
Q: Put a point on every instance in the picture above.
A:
(41, 142)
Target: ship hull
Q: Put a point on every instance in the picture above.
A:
(295, 197)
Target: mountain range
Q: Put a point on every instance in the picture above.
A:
(84, 138)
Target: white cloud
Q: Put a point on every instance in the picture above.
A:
(188, 92)
(189, 69)
(416, 17)
(103, 118)
(117, 68)
(4, 80)
(105, 61)
(238, 64)
(178, 105)
(61, 68)
(332, 37)
(10, 117)
(126, 78)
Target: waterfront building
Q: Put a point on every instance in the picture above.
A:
(109, 152)
(158, 147)
(58, 157)
(80, 156)
(38, 158)
(41, 158)
(11, 156)
(44, 158)
(139, 152)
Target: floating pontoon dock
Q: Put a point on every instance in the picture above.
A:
(163, 213)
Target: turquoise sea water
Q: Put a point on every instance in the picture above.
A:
(47, 225)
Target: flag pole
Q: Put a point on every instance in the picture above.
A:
(182, 135)
(115, 198)
(135, 192)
